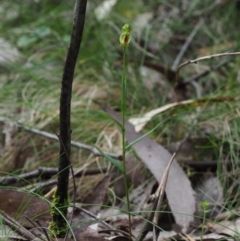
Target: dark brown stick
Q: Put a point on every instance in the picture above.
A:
(46, 171)
(60, 226)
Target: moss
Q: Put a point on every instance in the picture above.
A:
(57, 230)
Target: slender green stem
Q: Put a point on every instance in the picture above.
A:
(204, 206)
(123, 105)
(203, 225)
(124, 40)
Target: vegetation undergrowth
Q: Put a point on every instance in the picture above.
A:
(31, 83)
(204, 209)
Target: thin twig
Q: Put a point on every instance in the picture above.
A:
(43, 230)
(53, 137)
(40, 185)
(17, 227)
(95, 217)
(186, 44)
(209, 9)
(79, 145)
(195, 61)
(47, 171)
(157, 202)
(125, 234)
(205, 72)
(159, 196)
(108, 226)
(50, 136)
(37, 227)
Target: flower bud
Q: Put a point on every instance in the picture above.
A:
(125, 36)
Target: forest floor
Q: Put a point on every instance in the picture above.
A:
(182, 72)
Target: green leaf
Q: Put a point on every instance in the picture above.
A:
(141, 137)
(66, 39)
(112, 160)
(26, 40)
(42, 31)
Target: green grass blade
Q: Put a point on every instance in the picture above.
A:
(112, 160)
(141, 137)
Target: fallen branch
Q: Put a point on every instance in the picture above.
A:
(17, 227)
(49, 171)
(79, 145)
(186, 44)
(195, 61)
(53, 137)
(204, 73)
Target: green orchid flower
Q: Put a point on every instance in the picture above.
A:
(125, 36)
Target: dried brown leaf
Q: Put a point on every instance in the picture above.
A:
(180, 194)
(135, 174)
(97, 195)
(140, 122)
(119, 238)
(91, 238)
(21, 205)
(211, 237)
(165, 236)
(231, 228)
